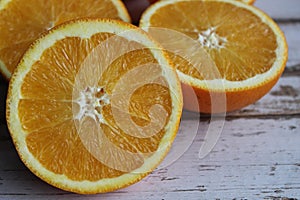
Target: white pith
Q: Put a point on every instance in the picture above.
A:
(91, 101)
(210, 39)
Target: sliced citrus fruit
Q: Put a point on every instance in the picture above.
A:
(93, 105)
(23, 21)
(236, 50)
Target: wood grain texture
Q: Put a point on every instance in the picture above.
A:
(290, 31)
(256, 157)
(287, 10)
(255, 161)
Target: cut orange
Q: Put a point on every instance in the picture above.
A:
(231, 48)
(23, 21)
(93, 106)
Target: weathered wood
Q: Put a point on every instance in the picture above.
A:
(279, 9)
(291, 31)
(253, 159)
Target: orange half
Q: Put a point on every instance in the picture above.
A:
(23, 21)
(93, 106)
(230, 49)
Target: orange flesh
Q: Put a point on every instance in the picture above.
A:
(250, 44)
(22, 22)
(45, 109)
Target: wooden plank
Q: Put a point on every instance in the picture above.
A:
(279, 9)
(291, 31)
(253, 159)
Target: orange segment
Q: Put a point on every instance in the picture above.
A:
(123, 64)
(9, 53)
(23, 21)
(65, 154)
(55, 79)
(38, 114)
(93, 111)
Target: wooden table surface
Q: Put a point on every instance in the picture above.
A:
(256, 157)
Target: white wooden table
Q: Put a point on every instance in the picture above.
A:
(256, 157)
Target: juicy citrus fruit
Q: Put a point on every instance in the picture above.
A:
(93, 105)
(23, 21)
(236, 50)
